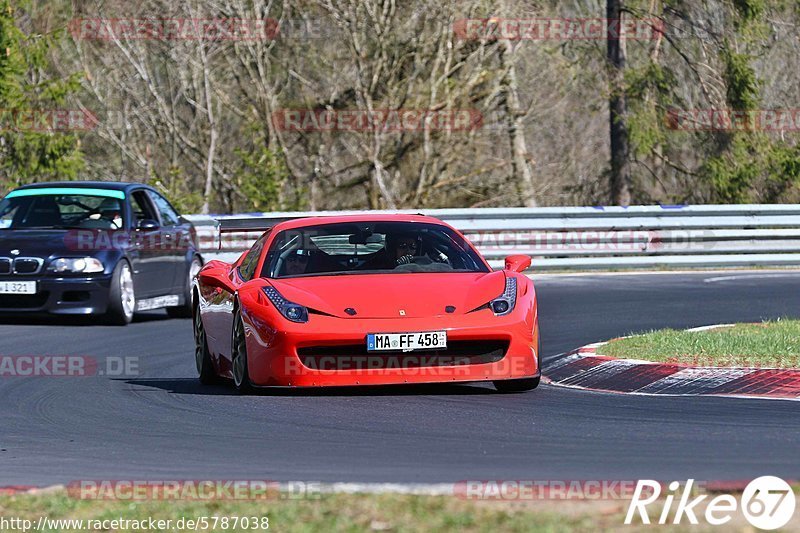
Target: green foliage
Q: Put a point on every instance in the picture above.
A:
(31, 154)
(732, 173)
(749, 10)
(782, 183)
(402, 513)
(755, 168)
(740, 165)
(259, 179)
(176, 188)
(740, 78)
(650, 90)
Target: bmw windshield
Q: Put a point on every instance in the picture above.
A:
(368, 248)
(29, 209)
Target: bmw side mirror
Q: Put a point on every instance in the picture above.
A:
(147, 224)
(518, 263)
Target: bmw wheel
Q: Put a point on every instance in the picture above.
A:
(122, 297)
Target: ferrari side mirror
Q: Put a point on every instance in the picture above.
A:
(518, 263)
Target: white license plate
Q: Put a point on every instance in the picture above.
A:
(17, 287)
(406, 342)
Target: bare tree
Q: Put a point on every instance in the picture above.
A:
(620, 177)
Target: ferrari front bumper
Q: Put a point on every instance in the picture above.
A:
(280, 356)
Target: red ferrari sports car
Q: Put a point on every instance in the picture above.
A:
(365, 300)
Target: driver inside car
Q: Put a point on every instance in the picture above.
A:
(405, 248)
(296, 263)
(400, 249)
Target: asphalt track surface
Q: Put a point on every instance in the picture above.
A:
(163, 425)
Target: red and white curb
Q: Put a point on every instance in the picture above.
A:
(10, 490)
(584, 369)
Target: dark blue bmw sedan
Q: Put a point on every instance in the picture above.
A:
(94, 248)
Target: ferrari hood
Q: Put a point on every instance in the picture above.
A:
(393, 295)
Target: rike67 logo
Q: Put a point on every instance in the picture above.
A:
(767, 503)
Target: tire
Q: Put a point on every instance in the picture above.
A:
(517, 385)
(525, 384)
(202, 355)
(240, 371)
(185, 310)
(121, 296)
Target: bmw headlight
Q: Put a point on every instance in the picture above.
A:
(291, 311)
(504, 304)
(82, 265)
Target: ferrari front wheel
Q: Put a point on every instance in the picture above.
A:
(241, 375)
(517, 385)
(202, 355)
(185, 310)
(525, 384)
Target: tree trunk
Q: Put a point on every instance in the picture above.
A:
(620, 179)
(520, 165)
(212, 142)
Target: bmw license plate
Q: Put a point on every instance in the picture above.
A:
(406, 342)
(17, 287)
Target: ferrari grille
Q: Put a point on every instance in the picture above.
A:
(356, 356)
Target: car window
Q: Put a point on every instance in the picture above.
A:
(169, 217)
(142, 210)
(8, 213)
(370, 247)
(340, 244)
(248, 266)
(42, 210)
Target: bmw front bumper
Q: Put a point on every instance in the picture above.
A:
(59, 295)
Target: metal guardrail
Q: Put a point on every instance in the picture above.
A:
(584, 237)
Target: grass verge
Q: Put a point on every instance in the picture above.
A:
(339, 512)
(357, 512)
(773, 344)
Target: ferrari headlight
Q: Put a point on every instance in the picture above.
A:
(291, 311)
(504, 304)
(82, 265)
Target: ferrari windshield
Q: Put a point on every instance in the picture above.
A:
(59, 211)
(368, 248)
